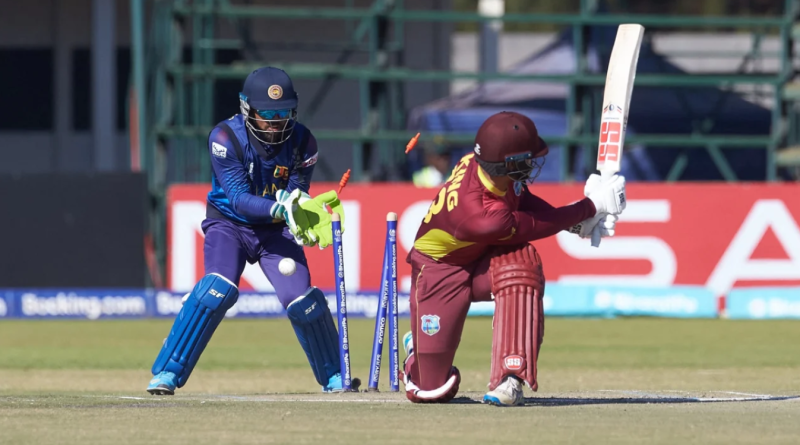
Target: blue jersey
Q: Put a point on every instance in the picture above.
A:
(243, 189)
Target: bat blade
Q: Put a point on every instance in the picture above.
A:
(616, 102)
(617, 97)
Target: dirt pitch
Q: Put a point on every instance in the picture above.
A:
(629, 381)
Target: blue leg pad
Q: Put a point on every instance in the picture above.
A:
(199, 317)
(313, 323)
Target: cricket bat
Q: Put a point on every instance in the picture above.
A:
(616, 101)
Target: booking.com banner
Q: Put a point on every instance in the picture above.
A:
(715, 236)
(559, 300)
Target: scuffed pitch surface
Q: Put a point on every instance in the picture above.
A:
(576, 418)
(636, 381)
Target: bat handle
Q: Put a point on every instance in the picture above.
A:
(596, 235)
(596, 230)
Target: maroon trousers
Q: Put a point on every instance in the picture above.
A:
(440, 298)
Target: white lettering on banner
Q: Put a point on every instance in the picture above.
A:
(254, 304)
(650, 248)
(3, 308)
(736, 264)
(407, 227)
(627, 302)
(774, 308)
(168, 304)
(187, 218)
(91, 307)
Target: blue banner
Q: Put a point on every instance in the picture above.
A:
(565, 300)
(764, 303)
(674, 301)
(559, 300)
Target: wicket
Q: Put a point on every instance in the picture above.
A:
(387, 309)
(341, 303)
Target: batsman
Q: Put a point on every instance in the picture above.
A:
(258, 211)
(475, 244)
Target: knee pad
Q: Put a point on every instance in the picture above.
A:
(442, 394)
(313, 324)
(199, 317)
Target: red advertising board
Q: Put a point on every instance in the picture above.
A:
(716, 235)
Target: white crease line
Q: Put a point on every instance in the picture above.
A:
(745, 394)
(248, 399)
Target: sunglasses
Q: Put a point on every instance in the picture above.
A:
(274, 114)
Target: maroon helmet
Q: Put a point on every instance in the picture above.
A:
(508, 144)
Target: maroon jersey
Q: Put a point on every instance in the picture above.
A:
(469, 215)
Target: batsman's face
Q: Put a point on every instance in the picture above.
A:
(524, 167)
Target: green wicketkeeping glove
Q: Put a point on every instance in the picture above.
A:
(309, 220)
(297, 218)
(320, 223)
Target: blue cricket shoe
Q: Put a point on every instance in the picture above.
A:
(335, 384)
(163, 384)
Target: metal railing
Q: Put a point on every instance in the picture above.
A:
(175, 97)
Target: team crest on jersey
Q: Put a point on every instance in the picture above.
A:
(275, 92)
(281, 172)
(430, 324)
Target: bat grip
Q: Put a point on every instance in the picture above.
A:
(596, 235)
(596, 230)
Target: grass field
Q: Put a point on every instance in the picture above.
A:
(623, 381)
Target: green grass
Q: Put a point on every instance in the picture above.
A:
(61, 382)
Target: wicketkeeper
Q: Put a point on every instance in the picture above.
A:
(475, 245)
(258, 212)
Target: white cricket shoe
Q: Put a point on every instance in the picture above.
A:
(508, 393)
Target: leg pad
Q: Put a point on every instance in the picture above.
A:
(199, 317)
(313, 324)
(518, 289)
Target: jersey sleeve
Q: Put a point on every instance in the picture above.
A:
(232, 176)
(545, 223)
(497, 225)
(301, 177)
(529, 202)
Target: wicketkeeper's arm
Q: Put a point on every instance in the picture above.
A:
(231, 174)
(300, 177)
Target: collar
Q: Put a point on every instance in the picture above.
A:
(488, 183)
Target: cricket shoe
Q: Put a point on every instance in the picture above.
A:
(335, 384)
(508, 393)
(163, 384)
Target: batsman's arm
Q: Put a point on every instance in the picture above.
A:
(529, 202)
(542, 224)
(500, 226)
(232, 176)
(301, 177)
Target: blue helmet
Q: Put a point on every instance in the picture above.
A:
(268, 103)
